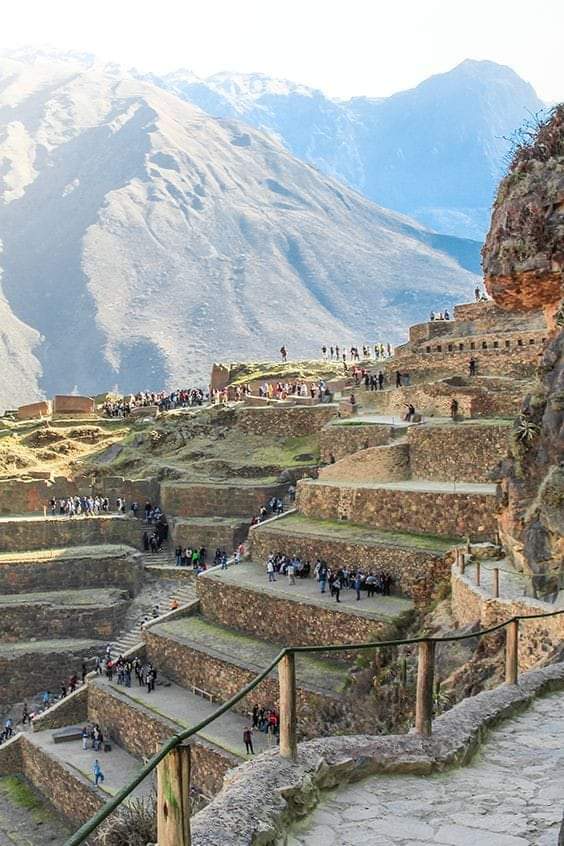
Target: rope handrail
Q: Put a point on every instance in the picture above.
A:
(90, 825)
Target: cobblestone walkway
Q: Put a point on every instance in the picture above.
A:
(511, 794)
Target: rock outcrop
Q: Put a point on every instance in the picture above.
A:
(523, 261)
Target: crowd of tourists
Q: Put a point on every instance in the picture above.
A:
(180, 398)
(265, 720)
(299, 388)
(337, 353)
(125, 668)
(332, 579)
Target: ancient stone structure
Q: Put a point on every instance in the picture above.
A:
(35, 410)
(73, 405)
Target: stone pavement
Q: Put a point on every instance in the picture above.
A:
(253, 577)
(187, 709)
(511, 794)
(512, 584)
(118, 766)
(413, 485)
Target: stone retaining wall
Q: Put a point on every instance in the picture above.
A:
(430, 512)
(389, 463)
(537, 638)
(71, 573)
(56, 533)
(433, 399)
(67, 712)
(340, 440)
(517, 361)
(210, 534)
(30, 496)
(417, 573)
(223, 678)
(285, 421)
(63, 404)
(34, 410)
(43, 619)
(141, 732)
(193, 499)
(25, 673)
(281, 620)
(461, 453)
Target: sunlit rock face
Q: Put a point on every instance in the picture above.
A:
(523, 257)
(523, 260)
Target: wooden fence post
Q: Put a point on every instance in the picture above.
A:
(424, 700)
(173, 798)
(462, 563)
(478, 573)
(288, 715)
(512, 652)
(496, 582)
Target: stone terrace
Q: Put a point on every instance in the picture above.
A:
(243, 599)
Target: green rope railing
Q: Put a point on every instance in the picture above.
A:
(92, 824)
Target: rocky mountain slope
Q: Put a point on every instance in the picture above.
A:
(435, 152)
(142, 239)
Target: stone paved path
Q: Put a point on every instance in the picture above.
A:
(414, 485)
(511, 794)
(512, 584)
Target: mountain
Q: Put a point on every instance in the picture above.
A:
(143, 239)
(435, 152)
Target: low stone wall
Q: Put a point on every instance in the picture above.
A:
(456, 452)
(389, 463)
(34, 410)
(193, 499)
(63, 404)
(72, 796)
(31, 496)
(337, 441)
(25, 670)
(417, 573)
(433, 399)
(71, 710)
(223, 678)
(141, 732)
(430, 512)
(211, 533)
(56, 533)
(45, 619)
(294, 789)
(517, 361)
(285, 421)
(537, 637)
(124, 572)
(281, 620)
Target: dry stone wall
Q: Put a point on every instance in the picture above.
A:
(456, 452)
(429, 512)
(33, 669)
(339, 440)
(193, 499)
(141, 731)
(388, 463)
(416, 573)
(281, 620)
(57, 533)
(28, 496)
(538, 638)
(224, 678)
(285, 421)
(517, 361)
(45, 619)
(70, 574)
(227, 534)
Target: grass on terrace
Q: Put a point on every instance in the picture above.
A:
(285, 371)
(349, 532)
(72, 552)
(95, 598)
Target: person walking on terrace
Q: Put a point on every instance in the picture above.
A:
(357, 584)
(472, 366)
(270, 570)
(248, 740)
(284, 353)
(98, 774)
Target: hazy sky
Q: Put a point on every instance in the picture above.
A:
(345, 47)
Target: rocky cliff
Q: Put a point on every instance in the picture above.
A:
(523, 261)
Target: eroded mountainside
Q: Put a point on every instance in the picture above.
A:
(524, 270)
(142, 239)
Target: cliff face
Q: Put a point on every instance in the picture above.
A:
(523, 260)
